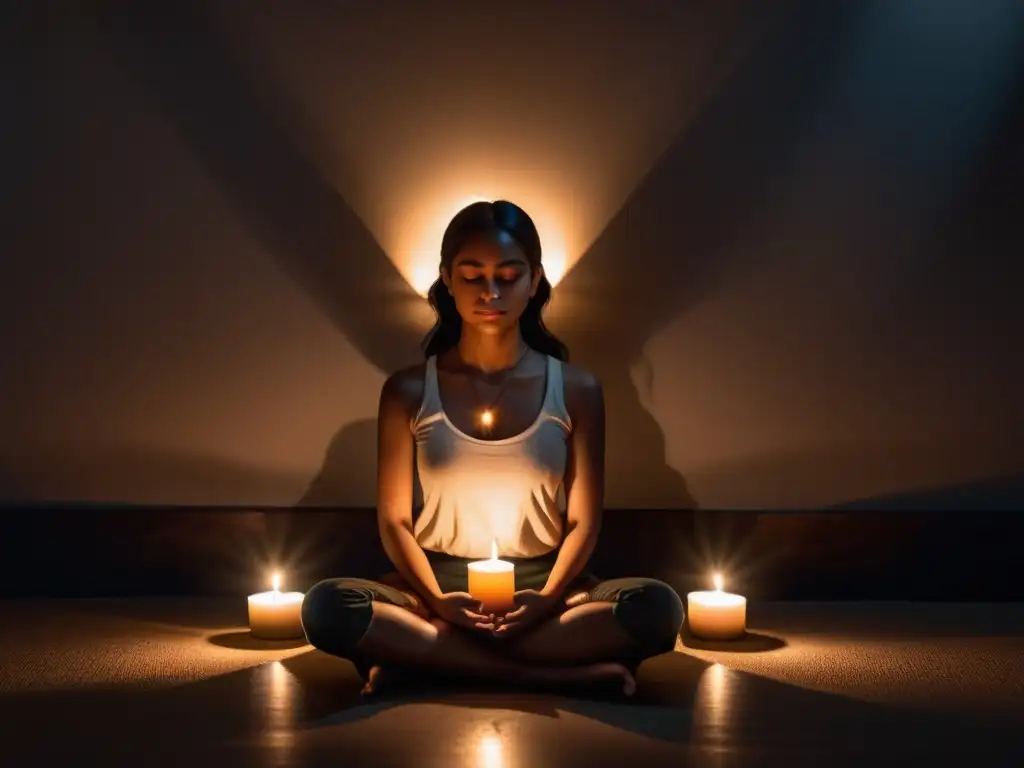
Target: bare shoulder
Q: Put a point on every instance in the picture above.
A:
(403, 390)
(583, 392)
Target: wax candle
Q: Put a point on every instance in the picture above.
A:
(717, 615)
(493, 583)
(275, 615)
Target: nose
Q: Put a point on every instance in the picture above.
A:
(490, 292)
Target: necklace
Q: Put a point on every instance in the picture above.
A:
(488, 415)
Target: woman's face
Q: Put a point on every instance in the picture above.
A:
(491, 282)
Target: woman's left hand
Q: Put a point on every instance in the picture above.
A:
(532, 607)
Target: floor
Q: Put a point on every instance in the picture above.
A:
(179, 682)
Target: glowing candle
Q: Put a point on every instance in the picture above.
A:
(275, 615)
(493, 583)
(717, 615)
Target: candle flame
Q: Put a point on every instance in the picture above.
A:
(276, 581)
(717, 578)
(494, 550)
(487, 417)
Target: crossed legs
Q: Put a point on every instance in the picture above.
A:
(378, 623)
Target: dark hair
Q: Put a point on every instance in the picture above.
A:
(474, 221)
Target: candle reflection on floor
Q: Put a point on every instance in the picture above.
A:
(712, 721)
(491, 751)
(275, 693)
(486, 743)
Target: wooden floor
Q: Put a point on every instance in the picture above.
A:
(178, 682)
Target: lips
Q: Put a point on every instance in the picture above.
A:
(489, 312)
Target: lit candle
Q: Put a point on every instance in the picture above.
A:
(493, 583)
(487, 418)
(275, 615)
(717, 615)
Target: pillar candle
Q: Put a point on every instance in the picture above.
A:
(275, 615)
(717, 615)
(493, 583)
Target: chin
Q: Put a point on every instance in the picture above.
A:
(494, 326)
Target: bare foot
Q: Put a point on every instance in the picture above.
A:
(590, 674)
(377, 677)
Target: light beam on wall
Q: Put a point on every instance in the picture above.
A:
(415, 244)
(485, 117)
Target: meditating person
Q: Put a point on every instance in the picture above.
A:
(495, 439)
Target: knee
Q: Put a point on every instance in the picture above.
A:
(336, 614)
(652, 614)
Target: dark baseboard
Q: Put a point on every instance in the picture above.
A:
(73, 550)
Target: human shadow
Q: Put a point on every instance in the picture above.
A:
(234, 126)
(672, 243)
(684, 232)
(348, 470)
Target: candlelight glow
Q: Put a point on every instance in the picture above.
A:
(487, 417)
(276, 615)
(415, 245)
(493, 582)
(716, 614)
(714, 705)
(491, 751)
(281, 690)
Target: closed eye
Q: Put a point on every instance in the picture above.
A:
(502, 277)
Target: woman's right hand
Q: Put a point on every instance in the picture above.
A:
(462, 610)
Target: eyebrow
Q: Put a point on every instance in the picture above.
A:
(506, 263)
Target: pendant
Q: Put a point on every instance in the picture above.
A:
(486, 418)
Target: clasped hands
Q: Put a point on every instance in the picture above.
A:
(462, 609)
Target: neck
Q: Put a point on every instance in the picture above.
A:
(490, 352)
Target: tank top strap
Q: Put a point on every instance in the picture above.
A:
(554, 396)
(431, 405)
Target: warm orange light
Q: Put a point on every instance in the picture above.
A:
(715, 614)
(491, 751)
(493, 582)
(423, 276)
(415, 245)
(487, 417)
(276, 615)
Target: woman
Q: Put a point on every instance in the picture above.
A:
(475, 446)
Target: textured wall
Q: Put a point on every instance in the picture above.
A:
(790, 230)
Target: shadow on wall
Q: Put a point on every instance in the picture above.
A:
(675, 241)
(665, 250)
(671, 245)
(232, 125)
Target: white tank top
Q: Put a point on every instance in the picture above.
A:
(470, 492)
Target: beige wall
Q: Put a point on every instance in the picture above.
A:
(789, 239)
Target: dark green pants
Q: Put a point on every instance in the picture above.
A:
(336, 612)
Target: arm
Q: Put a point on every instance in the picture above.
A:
(395, 483)
(584, 482)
